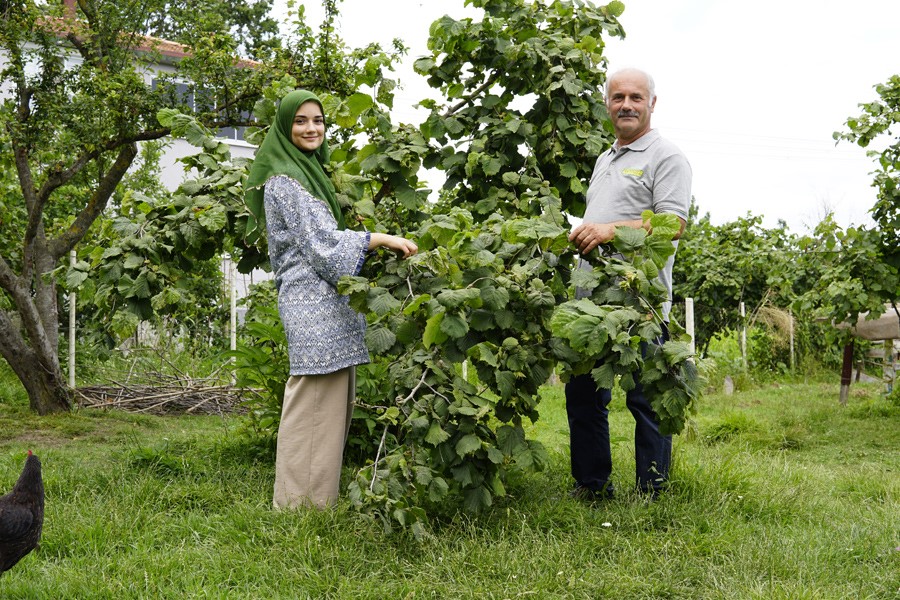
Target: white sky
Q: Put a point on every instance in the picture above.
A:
(751, 94)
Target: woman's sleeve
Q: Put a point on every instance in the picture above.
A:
(309, 223)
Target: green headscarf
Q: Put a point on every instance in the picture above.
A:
(278, 155)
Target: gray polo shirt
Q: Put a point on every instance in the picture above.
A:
(648, 174)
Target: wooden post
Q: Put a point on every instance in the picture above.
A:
(689, 322)
(846, 372)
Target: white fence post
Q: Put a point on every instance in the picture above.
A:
(743, 335)
(888, 371)
(72, 259)
(689, 322)
(791, 326)
(232, 300)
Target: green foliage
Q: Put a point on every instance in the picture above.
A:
(619, 326)
(856, 275)
(866, 276)
(467, 296)
(493, 261)
(739, 261)
(160, 255)
(766, 353)
(523, 90)
(249, 23)
(261, 364)
(878, 121)
(79, 102)
(461, 334)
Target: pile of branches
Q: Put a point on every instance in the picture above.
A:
(175, 397)
(145, 389)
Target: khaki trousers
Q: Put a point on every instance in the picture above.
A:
(315, 421)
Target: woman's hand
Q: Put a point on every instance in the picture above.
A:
(393, 242)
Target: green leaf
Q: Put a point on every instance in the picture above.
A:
(464, 474)
(423, 475)
(213, 219)
(74, 279)
(437, 489)
(141, 286)
(481, 320)
(379, 339)
(614, 8)
(407, 197)
(676, 352)
(133, 261)
(436, 435)
(167, 297)
(527, 230)
(416, 303)
(506, 384)
(586, 279)
(588, 334)
(494, 297)
(510, 439)
(604, 376)
(491, 165)
(659, 249)
(511, 178)
(423, 65)
(477, 499)
(433, 332)
(665, 225)
(359, 102)
(455, 326)
(468, 444)
(505, 318)
(381, 302)
(455, 298)
(629, 239)
(484, 352)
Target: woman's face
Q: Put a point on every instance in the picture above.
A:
(308, 131)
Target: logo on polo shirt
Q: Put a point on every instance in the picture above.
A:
(633, 172)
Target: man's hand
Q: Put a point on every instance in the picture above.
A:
(588, 236)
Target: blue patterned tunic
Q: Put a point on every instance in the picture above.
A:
(309, 254)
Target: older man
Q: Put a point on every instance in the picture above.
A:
(641, 171)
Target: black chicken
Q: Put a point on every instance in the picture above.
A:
(22, 515)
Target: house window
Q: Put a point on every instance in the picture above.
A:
(235, 133)
(184, 95)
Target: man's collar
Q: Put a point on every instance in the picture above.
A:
(640, 144)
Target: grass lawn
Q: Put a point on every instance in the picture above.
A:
(776, 493)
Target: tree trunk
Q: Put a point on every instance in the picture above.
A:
(47, 389)
(28, 342)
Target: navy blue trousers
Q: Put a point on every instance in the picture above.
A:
(589, 447)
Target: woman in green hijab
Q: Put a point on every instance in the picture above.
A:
(310, 250)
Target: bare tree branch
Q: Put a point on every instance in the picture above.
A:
(471, 97)
(61, 245)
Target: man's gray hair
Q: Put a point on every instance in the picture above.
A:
(651, 85)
